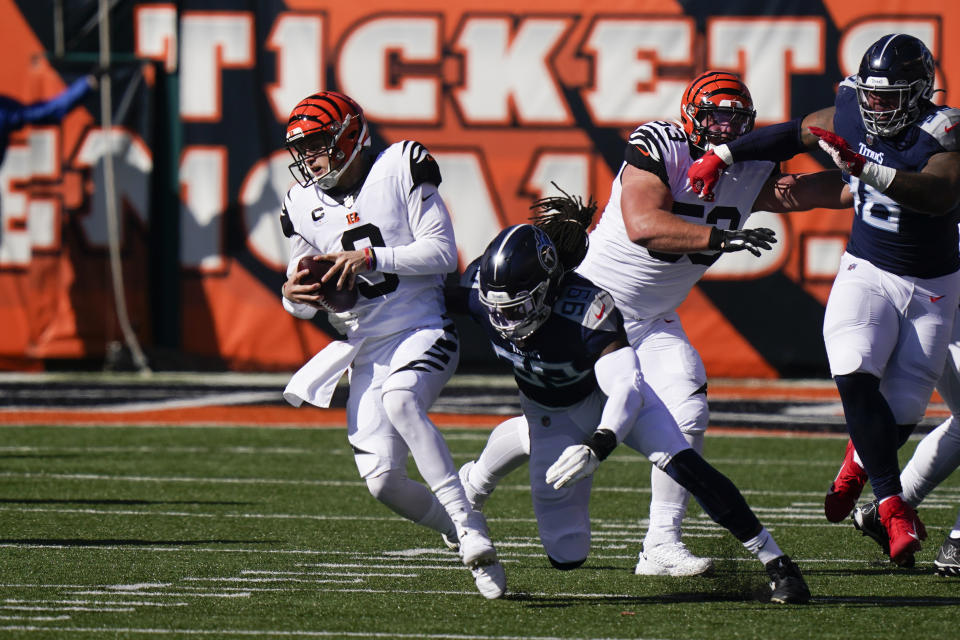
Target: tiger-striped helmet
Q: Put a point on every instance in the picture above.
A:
(716, 108)
(325, 124)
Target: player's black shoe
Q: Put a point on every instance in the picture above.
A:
(866, 520)
(948, 559)
(787, 582)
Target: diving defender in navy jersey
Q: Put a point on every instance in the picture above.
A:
(582, 394)
(889, 316)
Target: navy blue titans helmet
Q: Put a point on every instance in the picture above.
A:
(896, 75)
(517, 277)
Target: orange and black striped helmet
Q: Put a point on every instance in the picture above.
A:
(325, 123)
(716, 108)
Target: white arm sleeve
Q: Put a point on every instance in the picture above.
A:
(618, 375)
(434, 249)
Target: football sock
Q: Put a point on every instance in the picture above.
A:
(438, 519)
(716, 494)
(665, 518)
(507, 448)
(763, 546)
(935, 458)
(452, 497)
(668, 502)
(873, 430)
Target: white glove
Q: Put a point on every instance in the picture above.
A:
(577, 462)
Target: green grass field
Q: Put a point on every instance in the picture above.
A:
(268, 533)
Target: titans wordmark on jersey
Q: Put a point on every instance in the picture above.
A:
(649, 283)
(554, 366)
(892, 237)
(381, 213)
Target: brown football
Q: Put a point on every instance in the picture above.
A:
(331, 298)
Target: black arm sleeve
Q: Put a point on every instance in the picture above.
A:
(777, 142)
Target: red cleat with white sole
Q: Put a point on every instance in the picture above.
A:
(846, 488)
(904, 528)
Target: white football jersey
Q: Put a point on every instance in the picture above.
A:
(399, 213)
(648, 283)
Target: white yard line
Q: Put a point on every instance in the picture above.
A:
(98, 603)
(263, 633)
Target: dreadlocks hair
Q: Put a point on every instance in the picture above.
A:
(565, 220)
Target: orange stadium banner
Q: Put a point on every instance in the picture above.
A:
(509, 97)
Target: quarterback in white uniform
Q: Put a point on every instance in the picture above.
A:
(386, 228)
(654, 241)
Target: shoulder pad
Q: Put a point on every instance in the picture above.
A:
(942, 126)
(423, 166)
(587, 305)
(649, 144)
(850, 82)
(286, 225)
(653, 138)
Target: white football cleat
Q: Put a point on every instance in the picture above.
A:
(475, 497)
(475, 546)
(491, 580)
(671, 559)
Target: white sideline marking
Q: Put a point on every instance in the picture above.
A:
(150, 449)
(139, 586)
(99, 602)
(244, 593)
(282, 633)
(195, 579)
(99, 609)
(333, 573)
(367, 565)
(36, 618)
(187, 479)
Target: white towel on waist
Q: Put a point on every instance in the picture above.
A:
(316, 381)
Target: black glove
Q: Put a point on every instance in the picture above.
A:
(753, 240)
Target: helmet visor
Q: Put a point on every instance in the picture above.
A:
(722, 125)
(885, 109)
(516, 316)
(314, 159)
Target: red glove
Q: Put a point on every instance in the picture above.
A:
(839, 149)
(705, 173)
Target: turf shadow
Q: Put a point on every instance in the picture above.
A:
(887, 601)
(555, 602)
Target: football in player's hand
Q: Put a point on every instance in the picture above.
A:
(331, 298)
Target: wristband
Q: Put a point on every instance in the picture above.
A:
(877, 176)
(716, 239)
(602, 442)
(723, 152)
(370, 257)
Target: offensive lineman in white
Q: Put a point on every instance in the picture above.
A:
(654, 241)
(385, 225)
